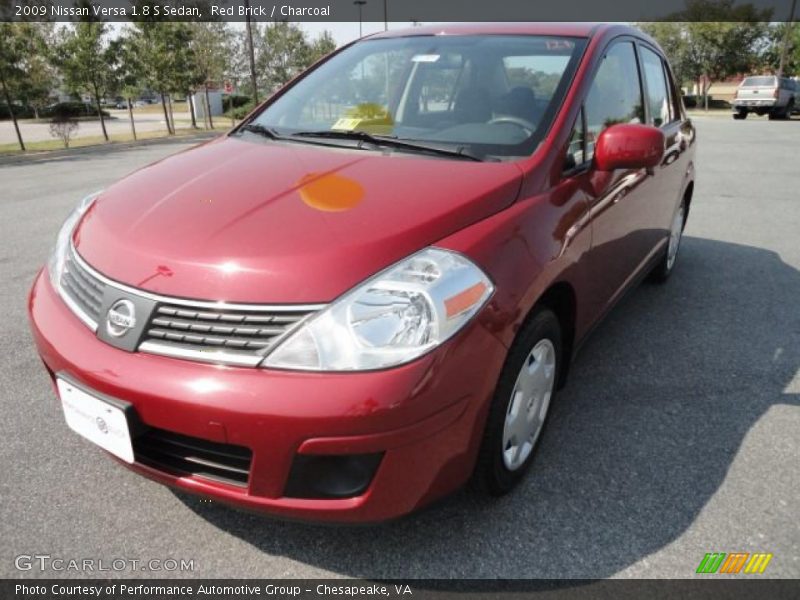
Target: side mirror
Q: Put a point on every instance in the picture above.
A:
(628, 146)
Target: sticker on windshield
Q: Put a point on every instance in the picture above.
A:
(347, 124)
(559, 45)
(425, 58)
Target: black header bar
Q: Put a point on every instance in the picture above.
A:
(410, 11)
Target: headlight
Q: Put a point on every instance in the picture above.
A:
(55, 265)
(390, 319)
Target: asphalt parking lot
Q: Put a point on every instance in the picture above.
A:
(677, 434)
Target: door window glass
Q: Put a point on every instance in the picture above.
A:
(616, 94)
(657, 92)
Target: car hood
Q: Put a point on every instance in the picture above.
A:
(242, 220)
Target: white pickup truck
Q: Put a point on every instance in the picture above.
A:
(777, 97)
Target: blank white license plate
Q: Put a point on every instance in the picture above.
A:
(97, 420)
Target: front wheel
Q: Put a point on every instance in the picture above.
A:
(520, 405)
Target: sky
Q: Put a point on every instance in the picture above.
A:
(347, 32)
(342, 32)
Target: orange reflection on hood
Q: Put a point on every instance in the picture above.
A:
(330, 192)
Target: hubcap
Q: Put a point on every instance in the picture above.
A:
(528, 405)
(675, 237)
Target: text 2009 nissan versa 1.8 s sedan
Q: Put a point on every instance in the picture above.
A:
(369, 292)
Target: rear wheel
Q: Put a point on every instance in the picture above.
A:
(667, 264)
(740, 114)
(520, 405)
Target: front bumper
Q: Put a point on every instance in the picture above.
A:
(425, 417)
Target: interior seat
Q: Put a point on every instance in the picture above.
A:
(473, 105)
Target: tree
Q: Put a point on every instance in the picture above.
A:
(162, 50)
(85, 62)
(40, 75)
(723, 49)
(674, 40)
(62, 127)
(211, 42)
(127, 73)
(712, 40)
(284, 53)
(774, 47)
(183, 65)
(323, 45)
(13, 49)
(724, 40)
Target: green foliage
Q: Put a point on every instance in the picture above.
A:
(235, 100)
(322, 46)
(20, 112)
(82, 57)
(126, 68)
(40, 75)
(284, 51)
(212, 47)
(85, 61)
(712, 40)
(240, 112)
(71, 110)
(164, 56)
(771, 57)
(25, 71)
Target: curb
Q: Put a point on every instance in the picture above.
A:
(32, 157)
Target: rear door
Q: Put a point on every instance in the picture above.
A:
(664, 112)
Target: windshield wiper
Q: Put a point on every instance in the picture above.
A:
(262, 130)
(388, 141)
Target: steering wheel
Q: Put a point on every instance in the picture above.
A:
(523, 124)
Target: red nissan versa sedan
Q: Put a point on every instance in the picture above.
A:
(368, 292)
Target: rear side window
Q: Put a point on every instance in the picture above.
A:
(657, 90)
(758, 82)
(616, 94)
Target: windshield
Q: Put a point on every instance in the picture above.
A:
(489, 95)
(759, 82)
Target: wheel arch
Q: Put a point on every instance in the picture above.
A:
(687, 199)
(560, 297)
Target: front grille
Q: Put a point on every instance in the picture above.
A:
(237, 334)
(85, 290)
(185, 455)
(199, 330)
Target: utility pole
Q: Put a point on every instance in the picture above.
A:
(786, 37)
(251, 51)
(360, 4)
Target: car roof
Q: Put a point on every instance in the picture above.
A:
(559, 29)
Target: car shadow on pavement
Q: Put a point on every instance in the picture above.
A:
(657, 406)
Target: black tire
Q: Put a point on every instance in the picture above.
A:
(665, 267)
(740, 114)
(787, 114)
(774, 115)
(491, 475)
